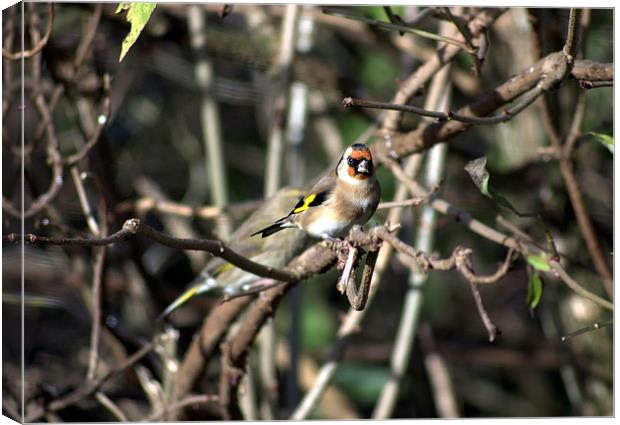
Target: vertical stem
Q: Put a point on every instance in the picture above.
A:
(438, 100)
(273, 176)
(209, 114)
(295, 133)
(282, 71)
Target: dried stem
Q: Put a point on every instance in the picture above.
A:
(438, 98)
(209, 114)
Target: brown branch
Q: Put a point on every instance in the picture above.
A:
(557, 268)
(492, 330)
(464, 265)
(592, 71)
(587, 85)
(570, 36)
(134, 227)
(358, 297)
(39, 44)
(506, 115)
(548, 71)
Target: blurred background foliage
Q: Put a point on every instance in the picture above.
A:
(152, 146)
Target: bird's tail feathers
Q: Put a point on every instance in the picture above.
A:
(274, 228)
(203, 284)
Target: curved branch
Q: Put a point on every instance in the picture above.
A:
(40, 43)
(101, 122)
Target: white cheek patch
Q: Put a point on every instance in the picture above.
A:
(343, 175)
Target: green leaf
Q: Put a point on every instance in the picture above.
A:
(539, 262)
(138, 15)
(604, 139)
(534, 290)
(478, 172)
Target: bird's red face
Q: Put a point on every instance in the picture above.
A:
(359, 162)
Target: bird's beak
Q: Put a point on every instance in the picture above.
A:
(362, 167)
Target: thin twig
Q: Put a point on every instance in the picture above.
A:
(492, 330)
(587, 329)
(462, 29)
(102, 120)
(557, 268)
(105, 401)
(570, 36)
(527, 99)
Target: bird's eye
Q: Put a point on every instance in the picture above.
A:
(351, 162)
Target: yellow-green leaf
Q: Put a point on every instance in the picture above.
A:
(534, 290)
(539, 262)
(605, 140)
(138, 15)
(477, 170)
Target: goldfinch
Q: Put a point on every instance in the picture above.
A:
(347, 196)
(220, 275)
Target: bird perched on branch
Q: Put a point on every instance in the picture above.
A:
(276, 252)
(347, 196)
